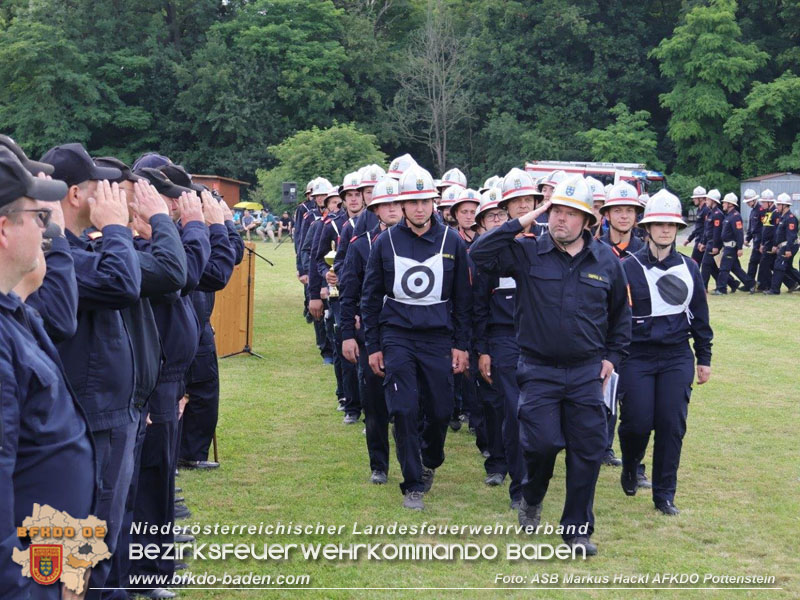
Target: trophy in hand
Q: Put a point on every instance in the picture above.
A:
(333, 291)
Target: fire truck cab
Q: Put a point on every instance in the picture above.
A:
(638, 175)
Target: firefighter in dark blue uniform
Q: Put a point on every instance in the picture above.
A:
(622, 209)
(498, 353)
(415, 308)
(46, 453)
(712, 240)
(769, 221)
(669, 307)
(573, 327)
(699, 200)
(300, 212)
(753, 237)
(732, 238)
(376, 414)
(320, 276)
(369, 176)
(786, 246)
(179, 330)
(319, 192)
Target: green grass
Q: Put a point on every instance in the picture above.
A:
(286, 456)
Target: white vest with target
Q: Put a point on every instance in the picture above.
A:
(418, 283)
(671, 291)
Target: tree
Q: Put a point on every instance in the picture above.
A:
(767, 127)
(708, 65)
(331, 153)
(433, 98)
(628, 139)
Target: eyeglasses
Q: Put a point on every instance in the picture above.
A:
(498, 216)
(43, 215)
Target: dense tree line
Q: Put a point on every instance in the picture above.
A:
(707, 90)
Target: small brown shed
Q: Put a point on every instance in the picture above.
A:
(228, 188)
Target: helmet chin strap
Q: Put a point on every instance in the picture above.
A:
(564, 245)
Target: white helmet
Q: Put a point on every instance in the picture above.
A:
(489, 200)
(768, 195)
(750, 195)
(322, 187)
(385, 191)
(370, 175)
(644, 199)
(784, 198)
(699, 192)
(574, 193)
(664, 207)
(607, 188)
(399, 165)
(453, 177)
(449, 196)
(622, 194)
(310, 185)
(517, 183)
(596, 187)
(351, 181)
(416, 184)
(466, 195)
(553, 179)
(493, 181)
(731, 198)
(714, 195)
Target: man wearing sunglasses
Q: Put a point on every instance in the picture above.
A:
(42, 460)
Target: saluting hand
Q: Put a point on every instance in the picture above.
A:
(147, 202)
(227, 214)
(350, 350)
(191, 210)
(485, 367)
(460, 361)
(530, 218)
(376, 363)
(703, 374)
(212, 210)
(108, 206)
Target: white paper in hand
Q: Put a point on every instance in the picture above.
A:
(610, 395)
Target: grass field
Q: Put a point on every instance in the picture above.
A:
(286, 456)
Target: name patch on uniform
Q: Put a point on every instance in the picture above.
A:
(595, 276)
(450, 256)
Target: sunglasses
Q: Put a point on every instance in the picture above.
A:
(43, 215)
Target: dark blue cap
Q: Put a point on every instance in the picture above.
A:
(17, 182)
(151, 160)
(73, 165)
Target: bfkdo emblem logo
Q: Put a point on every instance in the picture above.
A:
(570, 190)
(46, 561)
(420, 185)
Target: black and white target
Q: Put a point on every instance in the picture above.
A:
(418, 282)
(673, 289)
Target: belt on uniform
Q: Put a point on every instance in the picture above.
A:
(558, 364)
(729, 244)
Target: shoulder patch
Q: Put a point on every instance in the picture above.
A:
(738, 224)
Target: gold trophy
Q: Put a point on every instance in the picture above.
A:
(333, 291)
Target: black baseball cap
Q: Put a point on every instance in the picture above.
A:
(17, 182)
(73, 165)
(115, 163)
(178, 175)
(162, 183)
(151, 160)
(34, 166)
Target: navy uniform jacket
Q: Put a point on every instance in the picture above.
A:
(366, 221)
(769, 222)
(569, 310)
(355, 265)
(712, 233)
(309, 217)
(57, 298)
(218, 271)
(299, 214)
(176, 320)
(46, 453)
(699, 225)
(671, 329)
(163, 267)
(754, 225)
(99, 359)
(325, 236)
(492, 310)
(345, 237)
(634, 245)
(786, 232)
(733, 229)
(419, 322)
(304, 254)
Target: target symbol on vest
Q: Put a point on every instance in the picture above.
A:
(673, 289)
(417, 282)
